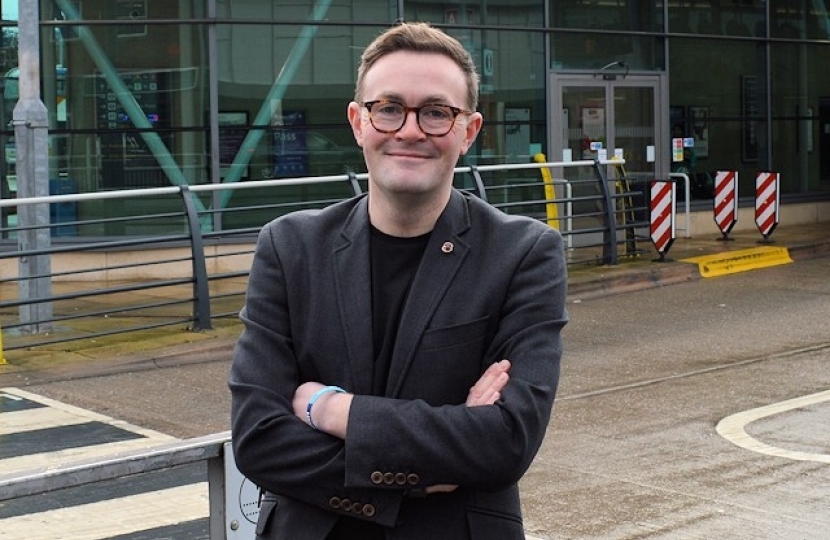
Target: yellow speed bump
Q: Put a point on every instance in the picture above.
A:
(742, 260)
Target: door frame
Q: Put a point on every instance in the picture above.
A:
(656, 81)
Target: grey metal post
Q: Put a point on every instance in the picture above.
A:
(201, 292)
(482, 193)
(31, 122)
(609, 243)
(216, 497)
(351, 178)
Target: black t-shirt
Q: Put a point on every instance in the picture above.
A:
(394, 263)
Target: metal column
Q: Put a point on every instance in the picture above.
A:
(31, 127)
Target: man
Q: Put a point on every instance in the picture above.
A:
(401, 350)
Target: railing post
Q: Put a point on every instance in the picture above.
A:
(201, 293)
(216, 498)
(352, 179)
(609, 243)
(482, 193)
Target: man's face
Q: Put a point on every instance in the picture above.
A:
(409, 162)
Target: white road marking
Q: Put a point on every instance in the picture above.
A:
(34, 419)
(56, 414)
(87, 414)
(104, 519)
(98, 520)
(733, 428)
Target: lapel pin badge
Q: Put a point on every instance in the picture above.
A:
(447, 247)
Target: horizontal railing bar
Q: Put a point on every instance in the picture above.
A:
(102, 313)
(93, 269)
(227, 314)
(74, 474)
(96, 246)
(104, 292)
(95, 196)
(102, 221)
(275, 182)
(227, 275)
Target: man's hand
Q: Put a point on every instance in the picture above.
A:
(487, 390)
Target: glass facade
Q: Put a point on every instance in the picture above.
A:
(147, 93)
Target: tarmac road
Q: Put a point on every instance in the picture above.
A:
(633, 451)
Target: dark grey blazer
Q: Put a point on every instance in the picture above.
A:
(490, 286)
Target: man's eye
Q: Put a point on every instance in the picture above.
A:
(389, 109)
(436, 113)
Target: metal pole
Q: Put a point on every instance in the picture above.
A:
(201, 292)
(31, 123)
(482, 193)
(609, 244)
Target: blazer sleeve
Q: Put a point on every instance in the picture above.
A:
(486, 447)
(272, 447)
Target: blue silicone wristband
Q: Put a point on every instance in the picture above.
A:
(317, 395)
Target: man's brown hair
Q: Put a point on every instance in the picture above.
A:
(423, 38)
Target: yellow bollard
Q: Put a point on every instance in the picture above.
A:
(551, 210)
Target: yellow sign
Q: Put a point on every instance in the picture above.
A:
(732, 262)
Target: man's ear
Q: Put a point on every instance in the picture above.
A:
(474, 123)
(355, 116)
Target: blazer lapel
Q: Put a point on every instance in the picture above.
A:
(442, 258)
(354, 297)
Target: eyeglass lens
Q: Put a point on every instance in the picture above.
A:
(389, 117)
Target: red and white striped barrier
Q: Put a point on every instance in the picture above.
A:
(726, 201)
(767, 198)
(663, 211)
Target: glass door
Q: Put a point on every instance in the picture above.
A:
(606, 117)
(610, 116)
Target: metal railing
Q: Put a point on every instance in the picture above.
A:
(161, 257)
(687, 197)
(209, 449)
